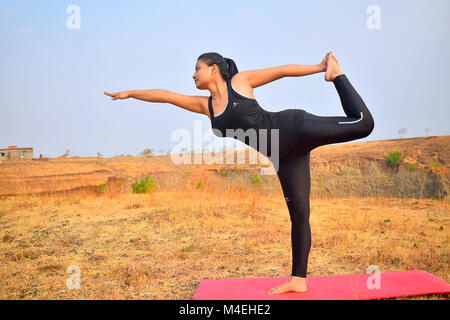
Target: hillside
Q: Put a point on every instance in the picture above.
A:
(350, 169)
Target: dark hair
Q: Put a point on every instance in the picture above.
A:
(226, 66)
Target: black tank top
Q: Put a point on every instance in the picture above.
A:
(245, 113)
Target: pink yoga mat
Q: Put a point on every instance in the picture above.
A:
(338, 287)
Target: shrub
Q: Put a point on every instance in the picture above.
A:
(322, 189)
(434, 165)
(102, 186)
(119, 183)
(257, 179)
(410, 166)
(200, 185)
(393, 158)
(224, 173)
(144, 186)
(238, 169)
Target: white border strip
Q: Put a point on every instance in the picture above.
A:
(352, 121)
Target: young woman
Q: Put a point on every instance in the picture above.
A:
(231, 105)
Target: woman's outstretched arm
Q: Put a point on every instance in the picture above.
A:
(261, 77)
(197, 104)
(151, 95)
(258, 78)
(298, 70)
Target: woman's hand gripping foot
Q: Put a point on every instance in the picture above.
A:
(323, 64)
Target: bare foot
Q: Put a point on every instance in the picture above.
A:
(333, 69)
(296, 284)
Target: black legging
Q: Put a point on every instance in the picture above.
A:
(294, 170)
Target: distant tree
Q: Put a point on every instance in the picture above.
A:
(402, 132)
(146, 152)
(99, 154)
(67, 153)
(426, 132)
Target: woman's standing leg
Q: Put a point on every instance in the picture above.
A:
(295, 180)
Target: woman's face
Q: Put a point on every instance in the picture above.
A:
(202, 74)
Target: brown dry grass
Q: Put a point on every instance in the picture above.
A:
(160, 246)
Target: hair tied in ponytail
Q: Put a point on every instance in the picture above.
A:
(227, 69)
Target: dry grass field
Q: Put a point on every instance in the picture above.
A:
(162, 244)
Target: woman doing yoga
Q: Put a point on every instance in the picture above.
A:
(232, 105)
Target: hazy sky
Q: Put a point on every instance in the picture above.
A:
(53, 77)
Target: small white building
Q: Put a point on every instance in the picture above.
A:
(14, 153)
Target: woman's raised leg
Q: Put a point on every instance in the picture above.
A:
(321, 130)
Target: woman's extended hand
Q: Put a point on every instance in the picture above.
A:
(323, 64)
(118, 95)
